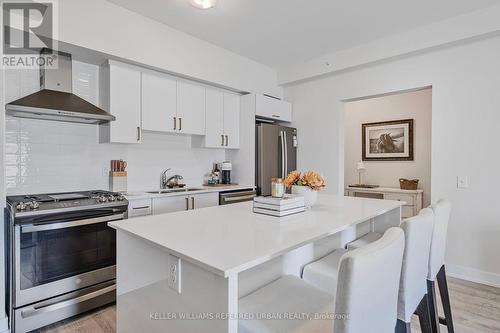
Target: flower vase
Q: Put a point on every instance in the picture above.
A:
(310, 196)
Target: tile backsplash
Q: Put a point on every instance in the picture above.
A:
(47, 156)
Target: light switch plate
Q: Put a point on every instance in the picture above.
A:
(462, 182)
(174, 273)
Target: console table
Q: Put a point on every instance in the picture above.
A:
(412, 198)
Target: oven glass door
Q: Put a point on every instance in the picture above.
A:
(51, 255)
(52, 252)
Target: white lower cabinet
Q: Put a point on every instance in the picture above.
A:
(170, 204)
(180, 203)
(204, 200)
(140, 207)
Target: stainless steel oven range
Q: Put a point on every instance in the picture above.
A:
(61, 255)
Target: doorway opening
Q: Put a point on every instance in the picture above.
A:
(388, 138)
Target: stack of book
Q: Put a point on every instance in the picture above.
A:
(288, 205)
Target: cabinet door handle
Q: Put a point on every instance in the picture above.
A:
(175, 123)
(138, 133)
(192, 202)
(222, 138)
(187, 203)
(180, 124)
(227, 140)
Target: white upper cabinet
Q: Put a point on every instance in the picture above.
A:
(121, 96)
(223, 120)
(190, 108)
(272, 108)
(159, 102)
(232, 120)
(141, 99)
(214, 136)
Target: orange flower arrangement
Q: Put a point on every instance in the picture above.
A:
(292, 178)
(310, 178)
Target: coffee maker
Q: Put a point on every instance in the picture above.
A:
(226, 168)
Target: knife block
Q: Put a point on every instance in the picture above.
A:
(118, 181)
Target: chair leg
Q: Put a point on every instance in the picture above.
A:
(434, 317)
(424, 315)
(445, 299)
(402, 327)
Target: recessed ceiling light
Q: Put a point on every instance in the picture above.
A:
(203, 4)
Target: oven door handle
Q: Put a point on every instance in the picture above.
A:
(61, 225)
(33, 311)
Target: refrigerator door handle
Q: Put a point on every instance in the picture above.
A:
(282, 139)
(286, 154)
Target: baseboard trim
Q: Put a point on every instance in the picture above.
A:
(473, 275)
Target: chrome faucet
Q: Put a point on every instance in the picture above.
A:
(169, 182)
(163, 179)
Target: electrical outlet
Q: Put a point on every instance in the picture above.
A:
(462, 182)
(174, 273)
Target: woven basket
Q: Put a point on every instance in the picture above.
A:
(408, 184)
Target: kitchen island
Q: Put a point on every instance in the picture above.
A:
(185, 271)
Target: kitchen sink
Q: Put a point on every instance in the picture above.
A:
(175, 190)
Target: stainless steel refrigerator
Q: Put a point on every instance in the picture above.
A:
(276, 154)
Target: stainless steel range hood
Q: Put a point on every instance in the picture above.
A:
(55, 100)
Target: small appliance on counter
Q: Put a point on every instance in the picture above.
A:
(226, 168)
(218, 178)
(118, 176)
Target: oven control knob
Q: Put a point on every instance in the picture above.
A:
(120, 198)
(34, 205)
(112, 198)
(21, 206)
(102, 198)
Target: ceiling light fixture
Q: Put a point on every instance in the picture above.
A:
(203, 4)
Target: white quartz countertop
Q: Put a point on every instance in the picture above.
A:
(146, 194)
(230, 239)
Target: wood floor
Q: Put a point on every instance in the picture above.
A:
(476, 309)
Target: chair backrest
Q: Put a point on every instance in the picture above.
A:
(442, 211)
(418, 234)
(368, 283)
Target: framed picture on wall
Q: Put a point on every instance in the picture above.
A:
(388, 140)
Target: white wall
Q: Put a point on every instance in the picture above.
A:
(465, 123)
(477, 24)
(105, 27)
(416, 105)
